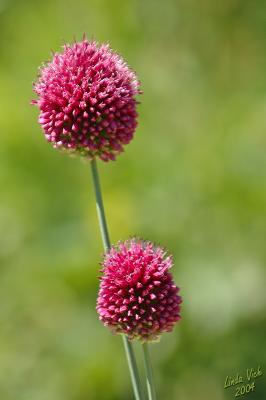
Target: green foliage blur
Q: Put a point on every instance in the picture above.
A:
(193, 180)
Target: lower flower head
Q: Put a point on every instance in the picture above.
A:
(137, 294)
(86, 97)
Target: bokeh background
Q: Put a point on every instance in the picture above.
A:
(193, 180)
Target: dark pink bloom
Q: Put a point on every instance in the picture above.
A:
(137, 294)
(86, 96)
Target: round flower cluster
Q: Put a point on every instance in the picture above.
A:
(86, 96)
(137, 294)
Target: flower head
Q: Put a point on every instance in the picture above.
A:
(137, 294)
(86, 96)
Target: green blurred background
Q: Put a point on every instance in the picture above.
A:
(193, 180)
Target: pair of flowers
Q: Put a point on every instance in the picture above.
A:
(87, 101)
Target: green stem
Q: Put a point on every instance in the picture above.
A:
(148, 373)
(106, 243)
(99, 206)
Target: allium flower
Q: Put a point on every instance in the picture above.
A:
(86, 96)
(137, 294)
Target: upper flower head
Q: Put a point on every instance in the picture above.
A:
(137, 294)
(86, 96)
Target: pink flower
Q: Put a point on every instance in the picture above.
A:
(86, 96)
(137, 294)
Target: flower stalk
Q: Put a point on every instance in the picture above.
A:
(132, 364)
(148, 372)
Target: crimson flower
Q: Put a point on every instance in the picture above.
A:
(86, 97)
(137, 294)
